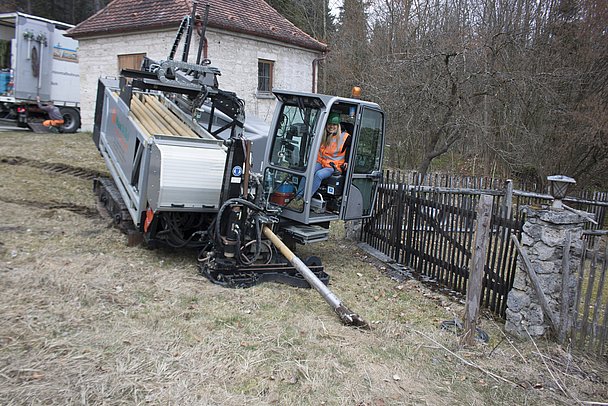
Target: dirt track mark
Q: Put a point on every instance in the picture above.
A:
(81, 173)
(74, 208)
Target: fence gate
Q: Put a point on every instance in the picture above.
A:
(431, 231)
(590, 318)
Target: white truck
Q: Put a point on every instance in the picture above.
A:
(36, 59)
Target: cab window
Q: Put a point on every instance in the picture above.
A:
(293, 138)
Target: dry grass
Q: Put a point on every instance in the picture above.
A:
(87, 320)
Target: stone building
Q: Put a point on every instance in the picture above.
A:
(255, 47)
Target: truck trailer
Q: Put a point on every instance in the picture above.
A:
(37, 59)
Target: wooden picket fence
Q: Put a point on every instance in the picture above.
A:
(590, 317)
(429, 228)
(523, 193)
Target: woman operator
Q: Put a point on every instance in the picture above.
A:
(332, 154)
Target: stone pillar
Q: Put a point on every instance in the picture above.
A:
(352, 229)
(543, 240)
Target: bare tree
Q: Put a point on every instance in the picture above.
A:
(348, 60)
(517, 87)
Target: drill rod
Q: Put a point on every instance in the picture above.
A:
(348, 317)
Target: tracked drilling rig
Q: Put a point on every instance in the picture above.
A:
(188, 171)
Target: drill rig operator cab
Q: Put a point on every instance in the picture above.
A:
(289, 167)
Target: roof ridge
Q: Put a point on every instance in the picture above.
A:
(251, 17)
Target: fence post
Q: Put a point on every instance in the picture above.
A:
(411, 210)
(399, 223)
(507, 203)
(475, 282)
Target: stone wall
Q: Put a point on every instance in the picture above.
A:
(543, 240)
(352, 229)
(235, 55)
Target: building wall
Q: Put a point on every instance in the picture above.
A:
(235, 55)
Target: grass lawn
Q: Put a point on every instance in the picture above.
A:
(88, 320)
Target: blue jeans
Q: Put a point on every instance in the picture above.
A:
(320, 174)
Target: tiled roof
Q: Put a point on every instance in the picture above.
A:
(253, 17)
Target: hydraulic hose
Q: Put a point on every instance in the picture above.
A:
(217, 225)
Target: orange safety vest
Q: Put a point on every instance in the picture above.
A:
(334, 151)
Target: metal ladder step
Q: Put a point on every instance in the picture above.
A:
(305, 234)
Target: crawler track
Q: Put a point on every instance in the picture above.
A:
(81, 173)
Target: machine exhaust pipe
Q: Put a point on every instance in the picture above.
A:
(348, 317)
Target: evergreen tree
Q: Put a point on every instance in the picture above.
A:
(348, 61)
(311, 16)
(66, 11)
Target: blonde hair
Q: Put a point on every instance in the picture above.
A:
(327, 136)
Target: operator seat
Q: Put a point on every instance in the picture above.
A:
(348, 127)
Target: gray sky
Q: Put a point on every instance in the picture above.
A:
(334, 4)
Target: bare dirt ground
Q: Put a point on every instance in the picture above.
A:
(87, 320)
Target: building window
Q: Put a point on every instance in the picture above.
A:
(130, 61)
(265, 68)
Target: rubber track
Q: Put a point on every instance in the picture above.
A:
(81, 173)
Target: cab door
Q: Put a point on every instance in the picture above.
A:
(365, 163)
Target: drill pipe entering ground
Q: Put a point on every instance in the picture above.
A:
(348, 317)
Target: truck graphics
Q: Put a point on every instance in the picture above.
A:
(36, 59)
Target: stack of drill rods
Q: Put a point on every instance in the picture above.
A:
(158, 119)
(179, 126)
(138, 120)
(149, 121)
